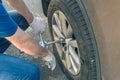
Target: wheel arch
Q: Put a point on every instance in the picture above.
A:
(45, 5)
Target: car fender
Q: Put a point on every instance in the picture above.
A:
(36, 7)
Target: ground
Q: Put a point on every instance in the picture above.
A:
(47, 74)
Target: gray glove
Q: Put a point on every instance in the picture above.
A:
(38, 25)
(50, 61)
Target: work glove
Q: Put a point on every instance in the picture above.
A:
(38, 25)
(50, 61)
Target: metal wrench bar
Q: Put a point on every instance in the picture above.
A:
(57, 41)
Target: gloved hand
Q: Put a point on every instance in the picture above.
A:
(38, 25)
(50, 61)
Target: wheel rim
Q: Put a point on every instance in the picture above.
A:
(68, 50)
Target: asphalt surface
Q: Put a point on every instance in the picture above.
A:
(47, 74)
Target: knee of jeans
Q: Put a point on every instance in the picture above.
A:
(32, 73)
(35, 72)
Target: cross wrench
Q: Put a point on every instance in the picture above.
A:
(45, 44)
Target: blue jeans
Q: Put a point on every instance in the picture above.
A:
(13, 68)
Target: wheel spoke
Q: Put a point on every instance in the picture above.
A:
(58, 32)
(73, 65)
(63, 22)
(56, 37)
(68, 62)
(59, 47)
(74, 55)
(73, 43)
(69, 32)
(57, 20)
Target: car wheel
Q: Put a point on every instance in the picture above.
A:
(77, 55)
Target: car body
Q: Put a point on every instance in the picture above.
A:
(104, 17)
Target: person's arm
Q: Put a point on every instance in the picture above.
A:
(20, 6)
(23, 41)
(26, 43)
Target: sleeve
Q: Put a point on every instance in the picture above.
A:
(7, 26)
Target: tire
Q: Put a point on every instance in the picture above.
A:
(68, 15)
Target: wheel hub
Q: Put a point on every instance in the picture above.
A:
(67, 41)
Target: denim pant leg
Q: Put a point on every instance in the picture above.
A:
(22, 23)
(14, 68)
